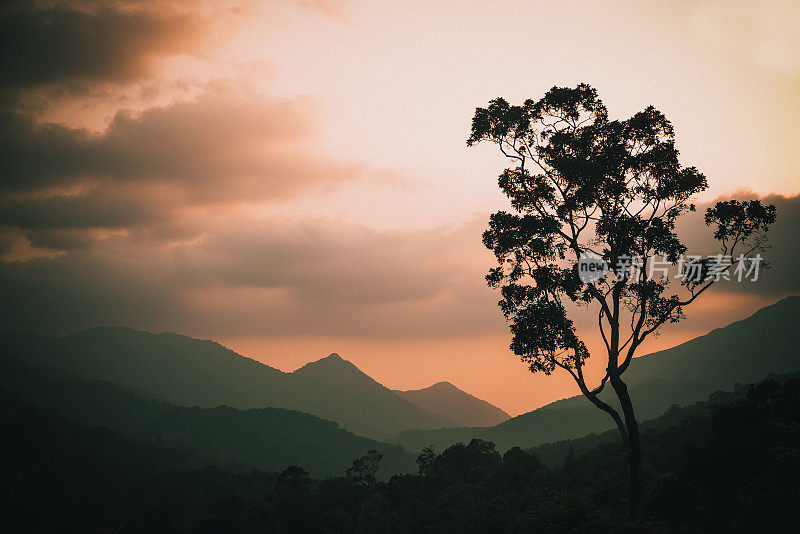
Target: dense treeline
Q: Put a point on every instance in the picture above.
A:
(735, 469)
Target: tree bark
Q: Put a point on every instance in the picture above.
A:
(633, 444)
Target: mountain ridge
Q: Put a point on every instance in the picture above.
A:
(449, 400)
(263, 438)
(189, 371)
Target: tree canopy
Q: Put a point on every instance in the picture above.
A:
(579, 184)
(586, 189)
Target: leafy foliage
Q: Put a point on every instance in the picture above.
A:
(365, 468)
(583, 183)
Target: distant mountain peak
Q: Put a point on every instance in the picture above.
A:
(193, 372)
(331, 363)
(331, 359)
(448, 400)
(442, 386)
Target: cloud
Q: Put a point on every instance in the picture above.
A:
(245, 275)
(325, 278)
(222, 149)
(155, 172)
(157, 220)
(75, 42)
(99, 207)
(253, 145)
(263, 276)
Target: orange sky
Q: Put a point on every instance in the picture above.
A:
(292, 178)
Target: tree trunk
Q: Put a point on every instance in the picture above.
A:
(634, 446)
(635, 470)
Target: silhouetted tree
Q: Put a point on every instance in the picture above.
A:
(569, 461)
(582, 185)
(365, 468)
(293, 478)
(520, 468)
(425, 459)
(291, 498)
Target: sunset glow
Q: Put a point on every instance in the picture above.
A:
(291, 179)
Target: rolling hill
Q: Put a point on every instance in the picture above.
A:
(194, 372)
(268, 438)
(747, 351)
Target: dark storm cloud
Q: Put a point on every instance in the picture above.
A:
(6, 242)
(245, 144)
(74, 42)
(97, 208)
(60, 239)
(33, 155)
